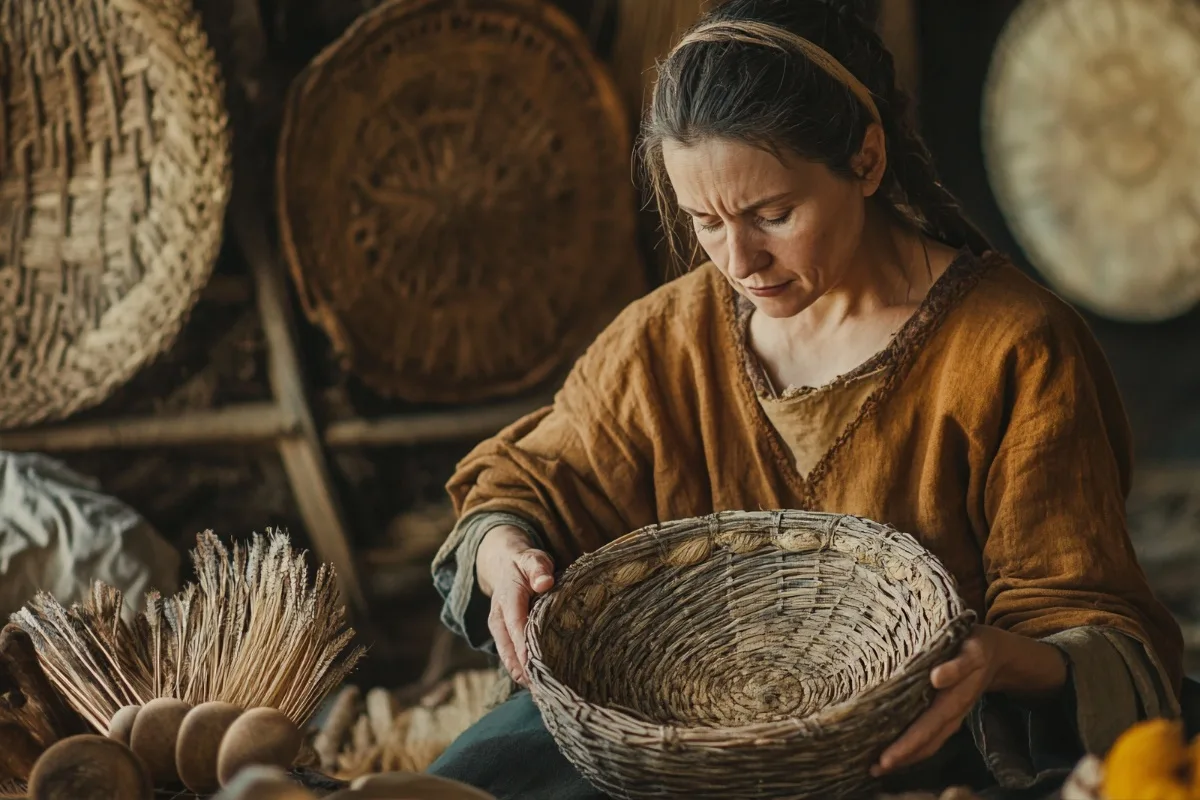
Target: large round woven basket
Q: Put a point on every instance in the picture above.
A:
(455, 197)
(744, 654)
(114, 176)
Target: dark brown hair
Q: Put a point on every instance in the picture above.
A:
(777, 99)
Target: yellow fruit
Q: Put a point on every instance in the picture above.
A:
(1148, 762)
(1163, 790)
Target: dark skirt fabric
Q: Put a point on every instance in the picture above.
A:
(510, 754)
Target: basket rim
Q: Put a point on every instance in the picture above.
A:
(948, 637)
(318, 304)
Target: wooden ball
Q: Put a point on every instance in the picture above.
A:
(155, 731)
(260, 736)
(199, 741)
(89, 767)
(264, 783)
(121, 725)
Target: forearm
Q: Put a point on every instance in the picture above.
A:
(1028, 668)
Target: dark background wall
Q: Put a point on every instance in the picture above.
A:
(1157, 365)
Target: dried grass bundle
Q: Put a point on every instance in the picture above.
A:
(251, 631)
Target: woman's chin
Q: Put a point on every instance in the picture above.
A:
(780, 306)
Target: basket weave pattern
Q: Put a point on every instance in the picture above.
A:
(744, 654)
(114, 174)
(454, 197)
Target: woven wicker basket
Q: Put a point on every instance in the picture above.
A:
(455, 199)
(114, 176)
(763, 654)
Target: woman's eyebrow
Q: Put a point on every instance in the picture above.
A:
(757, 204)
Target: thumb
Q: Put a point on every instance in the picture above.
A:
(538, 569)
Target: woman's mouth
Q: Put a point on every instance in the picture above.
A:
(768, 291)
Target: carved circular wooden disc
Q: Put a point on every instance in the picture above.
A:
(114, 176)
(1092, 144)
(455, 197)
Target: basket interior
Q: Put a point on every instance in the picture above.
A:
(741, 638)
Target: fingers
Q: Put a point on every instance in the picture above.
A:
(538, 569)
(918, 735)
(960, 683)
(504, 645)
(516, 614)
(534, 574)
(926, 749)
(933, 728)
(952, 673)
(969, 660)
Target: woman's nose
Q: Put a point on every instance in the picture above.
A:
(746, 257)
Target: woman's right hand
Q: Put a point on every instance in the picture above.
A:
(511, 571)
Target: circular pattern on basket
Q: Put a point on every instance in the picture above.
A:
(455, 197)
(1092, 143)
(114, 176)
(743, 654)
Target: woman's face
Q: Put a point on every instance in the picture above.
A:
(783, 231)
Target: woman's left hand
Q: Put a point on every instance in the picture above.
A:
(959, 682)
(990, 660)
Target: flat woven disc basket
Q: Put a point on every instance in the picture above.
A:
(455, 197)
(744, 654)
(1091, 140)
(114, 176)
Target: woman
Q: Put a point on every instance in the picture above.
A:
(851, 346)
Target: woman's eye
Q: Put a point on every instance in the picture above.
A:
(769, 221)
(700, 225)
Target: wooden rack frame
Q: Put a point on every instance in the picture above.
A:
(287, 422)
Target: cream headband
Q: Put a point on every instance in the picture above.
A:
(760, 33)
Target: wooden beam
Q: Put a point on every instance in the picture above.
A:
(304, 459)
(461, 425)
(242, 424)
(251, 423)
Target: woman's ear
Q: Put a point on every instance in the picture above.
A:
(871, 161)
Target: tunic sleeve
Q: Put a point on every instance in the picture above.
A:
(465, 607)
(1113, 684)
(572, 471)
(1057, 554)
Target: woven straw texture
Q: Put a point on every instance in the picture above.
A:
(1091, 140)
(114, 176)
(744, 654)
(455, 197)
